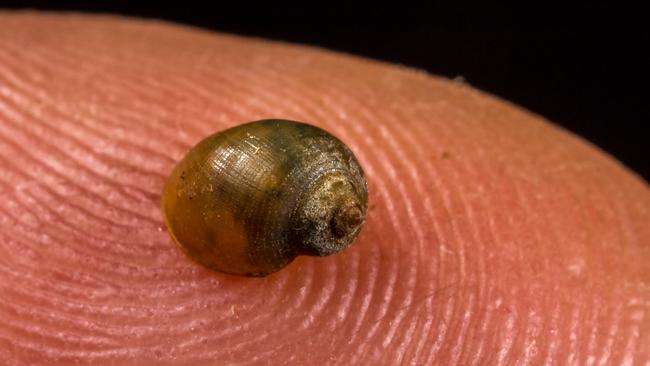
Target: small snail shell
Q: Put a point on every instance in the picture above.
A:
(249, 199)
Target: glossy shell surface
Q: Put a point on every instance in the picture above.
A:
(249, 199)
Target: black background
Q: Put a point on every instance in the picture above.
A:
(583, 66)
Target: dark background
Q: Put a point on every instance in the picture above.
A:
(582, 66)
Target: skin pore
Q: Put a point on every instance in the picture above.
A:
(492, 236)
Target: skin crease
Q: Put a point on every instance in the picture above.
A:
(492, 236)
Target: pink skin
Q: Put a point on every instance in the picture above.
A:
(492, 237)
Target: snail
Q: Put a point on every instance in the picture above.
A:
(249, 199)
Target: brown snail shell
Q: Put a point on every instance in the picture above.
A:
(249, 199)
